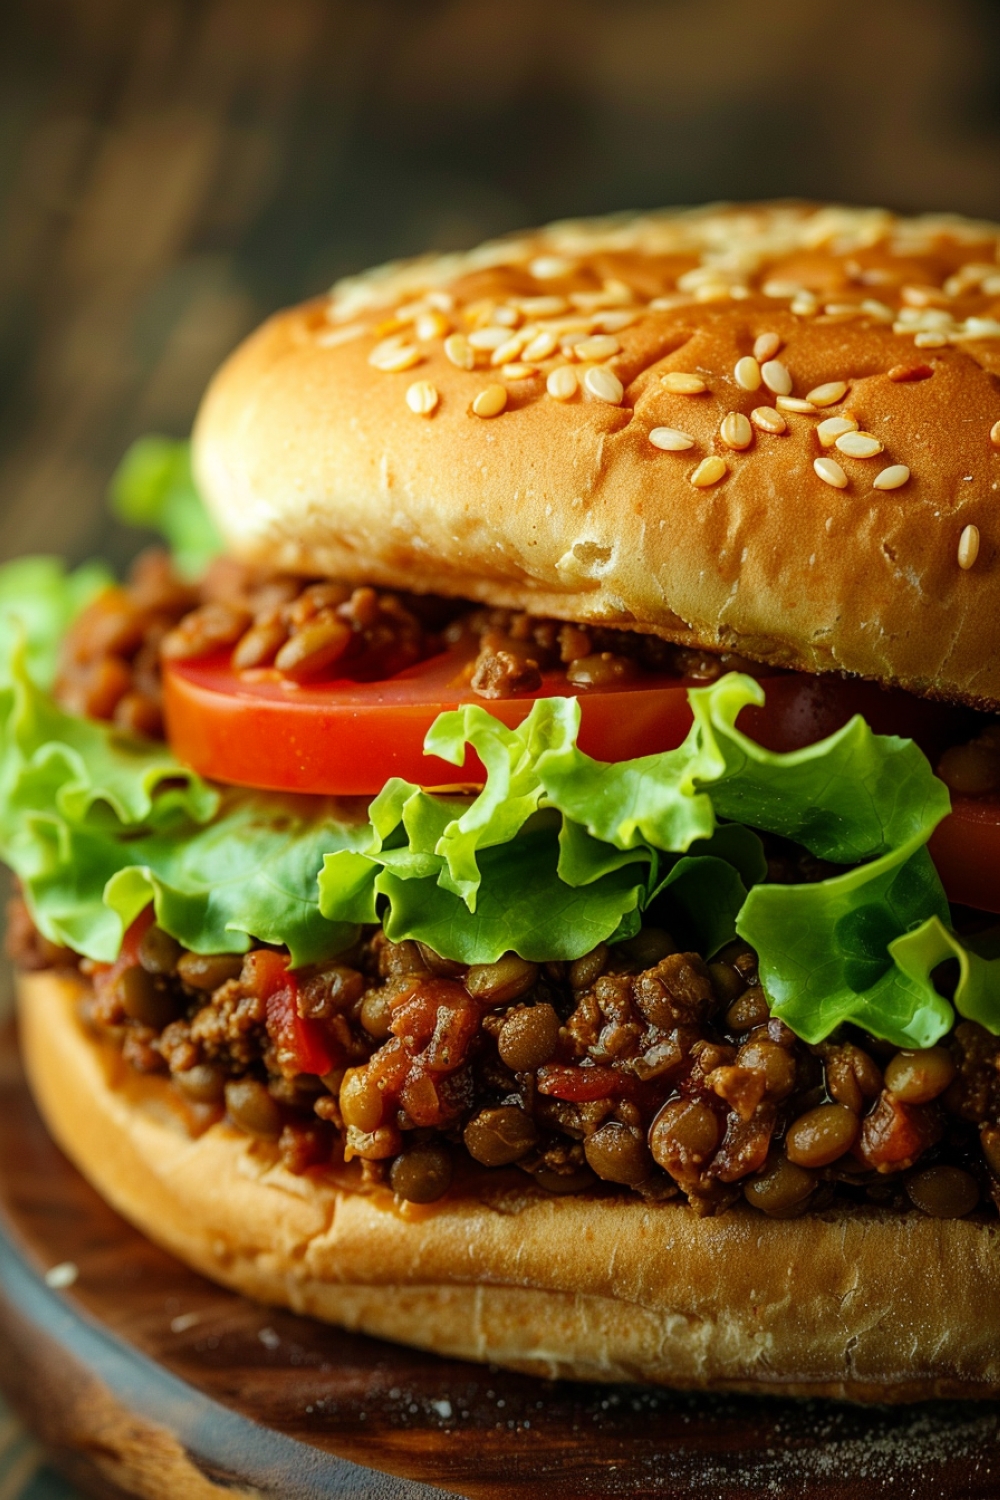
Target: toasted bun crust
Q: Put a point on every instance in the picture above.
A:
(312, 460)
(861, 1305)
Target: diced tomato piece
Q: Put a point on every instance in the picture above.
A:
(437, 1024)
(105, 976)
(894, 1134)
(581, 1085)
(302, 1045)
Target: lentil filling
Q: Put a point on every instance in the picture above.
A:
(638, 1066)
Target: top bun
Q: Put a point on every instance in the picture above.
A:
(343, 437)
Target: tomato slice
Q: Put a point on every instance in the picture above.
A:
(349, 738)
(966, 850)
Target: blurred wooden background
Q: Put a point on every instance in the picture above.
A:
(171, 170)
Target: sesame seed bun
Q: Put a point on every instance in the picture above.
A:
(586, 1287)
(406, 431)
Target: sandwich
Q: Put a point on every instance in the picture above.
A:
(519, 876)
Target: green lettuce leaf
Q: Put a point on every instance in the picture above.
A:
(251, 873)
(827, 951)
(153, 487)
(839, 950)
(97, 822)
(917, 952)
(851, 797)
(39, 599)
(523, 905)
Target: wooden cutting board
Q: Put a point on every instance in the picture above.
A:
(144, 1379)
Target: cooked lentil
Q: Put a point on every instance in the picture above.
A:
(637, 1066)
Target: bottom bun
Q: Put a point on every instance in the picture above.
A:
(855, 1303)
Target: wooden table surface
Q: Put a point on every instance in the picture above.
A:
(144, 1379)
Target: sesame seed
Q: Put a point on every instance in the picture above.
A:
(62, 1276)
(735, 430)
(618, 290)
(670, 439)
(804, 305)
(712, 291)
(891, 478)
(601, 346)
(709, 472)
(968, 547)
(781, 289)
(506, 316)
(442, 301)
(776, 377)
(508, 350)
(923, 296)
(460, 351)
(542, 307)
(991, 286)
(562, 383)
(614, 322)
(681, 383)
(541, 346)
(615, 294)
(569, 342)
(768, 420)
(795, 403)
(491, 401)
(518, 371)
(929, 339)
(702, 275)
(830, 472)
(550, 267)
(841, 309)
(766, 346)
(490, 337)
(389, 326)
(431, 325)
(834, 427)
(479, 313)
(605, 385)
(828, 394)
(878, 310)
(392, 356)
(923, 320)
(910, 372)
(995, 434)
(409, 312)
(747, 373)
(345, 334)
(422, 397)
(859, 444)
(978, 328)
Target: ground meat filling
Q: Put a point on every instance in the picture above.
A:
(307, 630)
(637, 1066)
